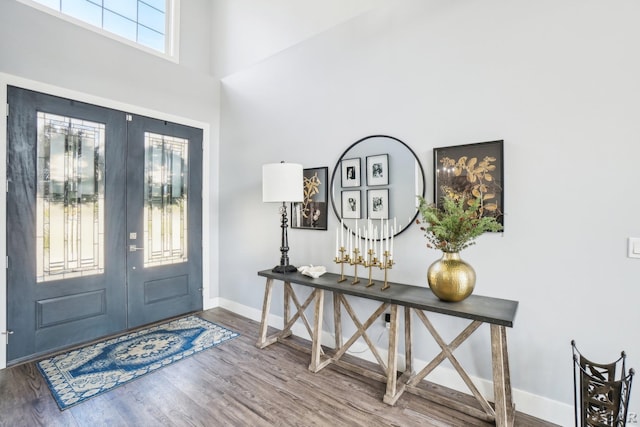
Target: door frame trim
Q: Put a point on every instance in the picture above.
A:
(210, 190)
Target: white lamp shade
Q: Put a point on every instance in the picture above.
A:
(282, 182)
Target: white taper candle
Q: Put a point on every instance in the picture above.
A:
(366, 241)
(375, 237)
(386, 245)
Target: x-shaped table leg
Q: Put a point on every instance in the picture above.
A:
(317, 364)
(263, 340)
(447, 353)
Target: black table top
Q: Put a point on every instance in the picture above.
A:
(476, 307)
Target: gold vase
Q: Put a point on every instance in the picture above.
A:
(450, 278)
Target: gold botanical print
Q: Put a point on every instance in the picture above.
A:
(311, 188)
(473, 178)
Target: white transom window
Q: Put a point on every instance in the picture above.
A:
(147, 23)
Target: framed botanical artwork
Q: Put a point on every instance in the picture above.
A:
(378, 204)
(378, 170)
(311, 213)
(351, 204)
(472, 171)
(350, 169)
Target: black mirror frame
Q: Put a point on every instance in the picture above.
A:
(338, 169)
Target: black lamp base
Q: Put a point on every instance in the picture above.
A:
(284, 269)
(284, 266)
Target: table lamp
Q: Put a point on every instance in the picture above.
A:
(283, 182)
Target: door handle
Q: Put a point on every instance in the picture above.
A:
(7, 333)
(133, 248)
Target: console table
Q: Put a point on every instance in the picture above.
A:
(498, 313)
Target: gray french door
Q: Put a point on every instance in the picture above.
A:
(164, 220)
(103, 222)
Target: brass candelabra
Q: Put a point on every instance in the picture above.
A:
(341, 260)
(369, 263)
(386, 265)
(356, 260)
(367, 257)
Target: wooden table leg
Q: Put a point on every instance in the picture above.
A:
(287, 301)
(501, 378)
(266, 306)
(408, 354)
(317, 331)
(337, 320)
(392, 360)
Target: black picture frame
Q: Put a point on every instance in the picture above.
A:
(351, 204)
(378, 203)
(472, 169)
(350, 172)
(378, 170)
(311, 214)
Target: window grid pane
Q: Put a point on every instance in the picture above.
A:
(144, 22)
(156, 4)
(150, 38)
(83, 10)
(120, 25)
(127, 8)
(151, 18)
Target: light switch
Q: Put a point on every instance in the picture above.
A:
(633, 248)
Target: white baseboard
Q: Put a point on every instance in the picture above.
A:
(528, 403)
(210, 303)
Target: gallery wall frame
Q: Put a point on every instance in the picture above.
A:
(378, 203)
(378, 170)
(311, 213)
(350, 172)
(472, 170)
(351, 204)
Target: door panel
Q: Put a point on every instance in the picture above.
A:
(164, 204)
(72, 301)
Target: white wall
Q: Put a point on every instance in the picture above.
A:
(41, 52)
(558, 81)
(247, 31)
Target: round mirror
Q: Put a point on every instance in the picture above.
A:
(377, 177)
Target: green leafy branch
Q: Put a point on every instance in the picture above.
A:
(456, 226)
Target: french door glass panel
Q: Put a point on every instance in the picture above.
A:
(166, 175)
(69, 197)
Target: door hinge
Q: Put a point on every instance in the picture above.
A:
(129, 118)
(7, 262)
(7, 333)
(7, 109)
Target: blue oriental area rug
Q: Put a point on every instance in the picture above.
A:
(89, 371)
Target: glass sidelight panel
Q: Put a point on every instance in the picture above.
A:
(165, 199)
(69, 198)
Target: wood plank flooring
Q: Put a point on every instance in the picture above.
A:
(234, 384)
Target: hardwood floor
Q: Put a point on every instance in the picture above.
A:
(234, 384)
